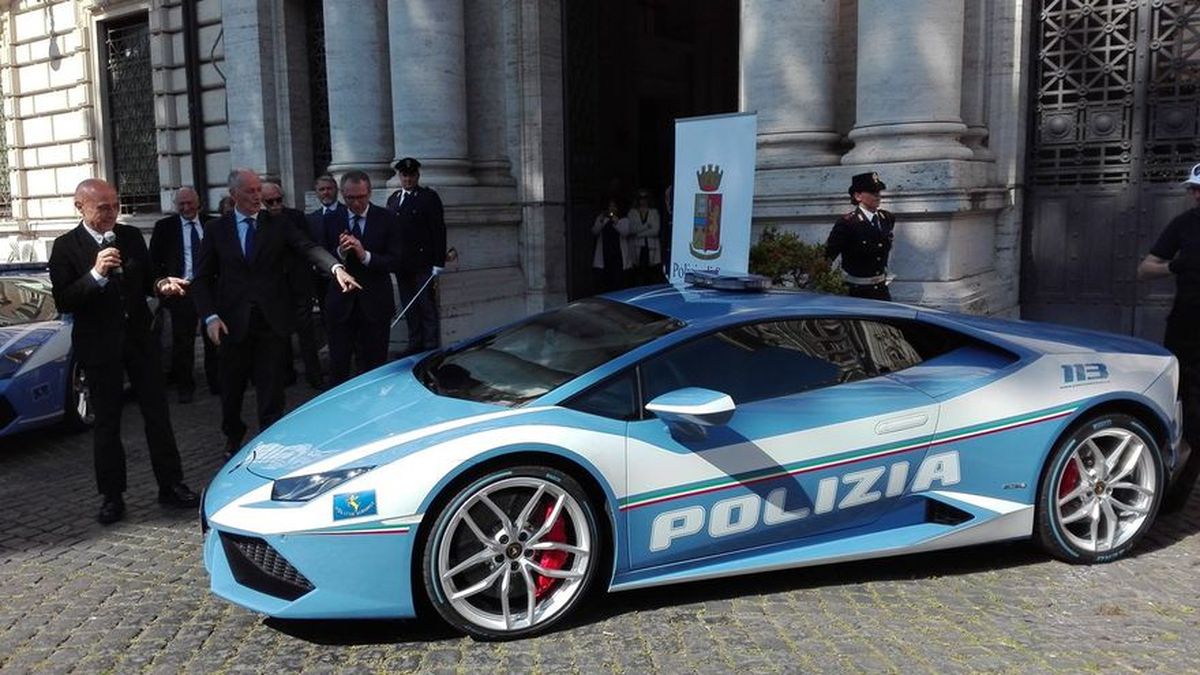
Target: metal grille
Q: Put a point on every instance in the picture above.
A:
(1174, 53)
(131, 114)
(256, 564)
(1086, 52)
(318, 88)
(5, 185)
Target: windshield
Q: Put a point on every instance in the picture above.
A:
(528, 359)
(25, 300)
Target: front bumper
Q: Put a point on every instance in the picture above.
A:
(313, 576)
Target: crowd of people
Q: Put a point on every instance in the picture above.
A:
(249, 278)
(246, 280)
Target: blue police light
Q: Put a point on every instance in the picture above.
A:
(727, 282)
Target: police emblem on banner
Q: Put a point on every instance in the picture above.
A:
(706, 223)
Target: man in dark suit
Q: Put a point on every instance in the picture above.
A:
(423, 243)
(330, 209)
(242, 294)
(175, 250)
(101, 274)
(368, 240)
(300, 273)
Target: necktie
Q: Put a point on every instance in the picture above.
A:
(403, 196)
(250, 231)
(194, 236)
(355, 229)
(875, 221)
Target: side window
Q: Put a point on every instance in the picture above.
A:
(613, 399)
(760, 361)
(894, 347)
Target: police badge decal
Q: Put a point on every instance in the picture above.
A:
(706, 225)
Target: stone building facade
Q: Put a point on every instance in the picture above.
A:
(932, 94)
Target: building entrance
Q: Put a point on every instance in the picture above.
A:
(633, 67)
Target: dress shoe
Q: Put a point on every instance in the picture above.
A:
(112, 510)
(186, 396)
(178, 495)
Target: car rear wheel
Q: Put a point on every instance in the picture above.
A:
(512, 554)
(78, 412)
(1101, 490)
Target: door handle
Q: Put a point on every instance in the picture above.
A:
(894, 424)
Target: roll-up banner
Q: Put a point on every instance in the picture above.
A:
(713, 194)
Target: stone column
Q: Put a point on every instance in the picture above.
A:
(429, 105)
(910, 57)
(788, 76)
(976, 37)
(485, 82)
(249, 86)
(360, 101)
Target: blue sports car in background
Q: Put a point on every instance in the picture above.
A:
(662, 435)
(40, 384)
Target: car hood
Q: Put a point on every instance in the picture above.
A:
(384, 411)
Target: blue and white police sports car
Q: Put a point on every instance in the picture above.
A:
(662, 435)
(40, 384)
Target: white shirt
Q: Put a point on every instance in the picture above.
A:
(100, 279)
(188, 272)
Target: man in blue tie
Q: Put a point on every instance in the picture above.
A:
(367, 238)
(174, 252)
(242, 293)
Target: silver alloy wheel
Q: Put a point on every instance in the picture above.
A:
(81, 395)
(1105, 490)
(490, 559)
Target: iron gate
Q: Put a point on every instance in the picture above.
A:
(1114, 131)
(130, 98)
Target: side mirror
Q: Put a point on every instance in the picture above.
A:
(687, 412)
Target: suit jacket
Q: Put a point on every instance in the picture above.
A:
(864, 248)
(166, 246)
(382, 239)
(423, 230)
(317, 219)
(106, 318)
(229, 286)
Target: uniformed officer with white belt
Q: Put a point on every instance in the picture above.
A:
(863, 238)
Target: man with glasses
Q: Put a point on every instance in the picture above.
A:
(367, 238)
(242, 292)
(863, 238)
(1177, 252)
(175, 250)
(101, 274)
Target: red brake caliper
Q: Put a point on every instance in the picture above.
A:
(1070, 479)
(551, 560)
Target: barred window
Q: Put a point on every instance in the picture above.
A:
(130, 108)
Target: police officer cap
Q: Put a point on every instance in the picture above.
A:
(408, 165)
(1193, 177)
(866, 182)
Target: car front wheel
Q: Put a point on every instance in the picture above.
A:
(1101, 490)
(512, 554)
(78, 412)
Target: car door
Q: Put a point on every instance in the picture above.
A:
(821, 439)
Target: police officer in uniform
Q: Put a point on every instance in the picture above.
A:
(1177, 252)
(863, 238)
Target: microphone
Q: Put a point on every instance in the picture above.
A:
(110, 241)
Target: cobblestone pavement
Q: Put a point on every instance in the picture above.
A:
(76, 596)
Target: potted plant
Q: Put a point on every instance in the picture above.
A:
(789, 261)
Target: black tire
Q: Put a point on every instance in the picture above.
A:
(481, 580)
(78, 411)
(1100, 490)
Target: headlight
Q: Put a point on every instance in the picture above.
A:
(304, 488)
